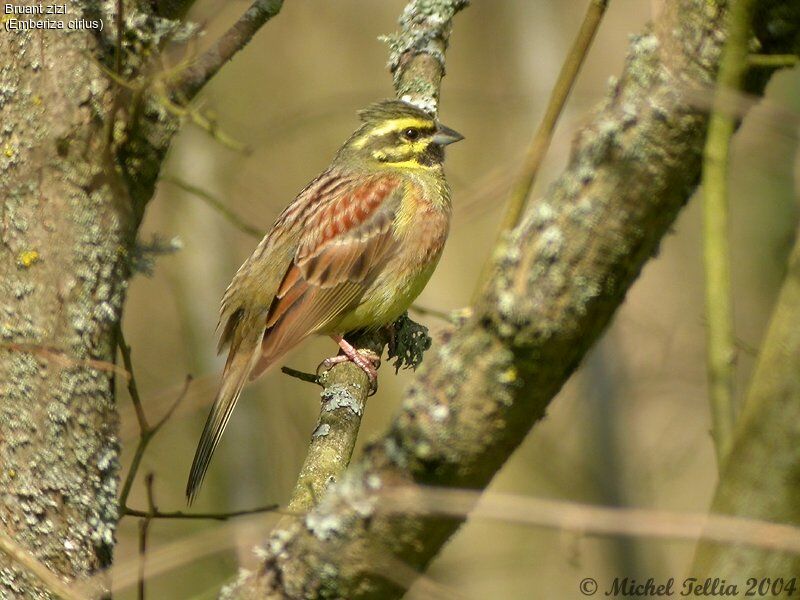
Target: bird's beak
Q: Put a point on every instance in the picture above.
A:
(445, 135)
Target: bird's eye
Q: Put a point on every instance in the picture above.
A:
(411, 134)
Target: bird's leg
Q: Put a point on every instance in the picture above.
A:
(366, 359)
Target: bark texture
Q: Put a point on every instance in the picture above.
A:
(557, 281)
(80, 151)
(66, 229)
(343, 400)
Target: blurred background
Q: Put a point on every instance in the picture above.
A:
(631, 428)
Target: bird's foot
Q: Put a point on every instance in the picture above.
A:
(367, 360)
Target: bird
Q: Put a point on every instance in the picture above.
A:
(352, 251)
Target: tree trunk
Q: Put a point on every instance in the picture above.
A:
(67, 229)
(75, 177)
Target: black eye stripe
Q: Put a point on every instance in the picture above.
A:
(415, 133)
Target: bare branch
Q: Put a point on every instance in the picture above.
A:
(720, 338)
(301, 375)
(544, 133)
(207, 64)
(146, 431)
(213, 516)
(756, 479)
(218, 205)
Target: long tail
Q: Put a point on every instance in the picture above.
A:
(233, 379)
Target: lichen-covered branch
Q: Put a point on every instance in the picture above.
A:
(343, 399)
(51, 582)
(66, 229)
(416, 50)
(559, 277)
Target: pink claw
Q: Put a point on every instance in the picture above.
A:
(366, 359)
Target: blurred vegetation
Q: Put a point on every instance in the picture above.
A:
(630, 429)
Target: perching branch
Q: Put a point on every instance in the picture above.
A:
(344, 396)
(237, 37)
(345, 389)
(559, 278)
(720, 339)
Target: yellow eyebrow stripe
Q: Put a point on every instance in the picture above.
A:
(407, 164)
(392, 125)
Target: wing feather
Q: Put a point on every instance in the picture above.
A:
(319, 258)
(346, 244)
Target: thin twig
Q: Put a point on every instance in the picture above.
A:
(61, 358)
(217, 205)
(590, 519)
(133, 390)
(33, 566)
(144, 528)
(720, 339)
(301, 375)
(430, 312)
(544, 134)
(236, 38)
(218, 516)
(146, 431)
(773, 61)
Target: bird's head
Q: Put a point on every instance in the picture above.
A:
(398, 134)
